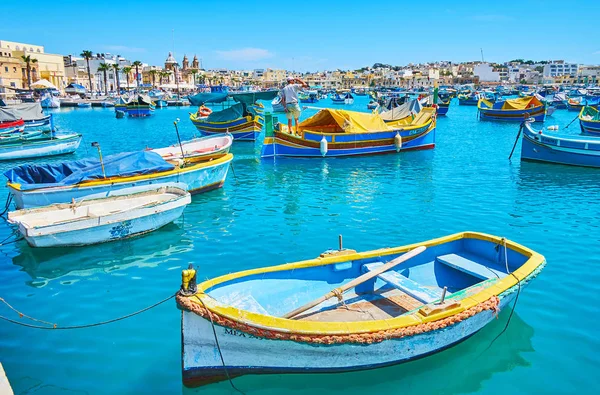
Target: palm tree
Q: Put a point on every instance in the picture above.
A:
(127, 70)
(87, 55)
(153, 75)
(103, 67)
(201, 78)
(116, 68)
(137, 64)
(28, 61)
(194, 73)
(163, 75)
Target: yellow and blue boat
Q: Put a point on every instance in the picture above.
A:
(589, 120)
(332, 133)
(242, 120)
(468, 99)
(139, 106)
(44, 184)
(512, 110)
(347, 311)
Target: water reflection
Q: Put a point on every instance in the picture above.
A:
(46, 264)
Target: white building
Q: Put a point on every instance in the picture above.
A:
(559, 67)
(486, 73)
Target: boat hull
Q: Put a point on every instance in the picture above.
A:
(590, 127)
(107, 229)
(139, 111)
(199, 178)
(442, 109)
(283, 144)
(248, 354)
(538, 113)
(468, 102)
(36, 123)
(39, 148)
(543, 148)
(242, 129)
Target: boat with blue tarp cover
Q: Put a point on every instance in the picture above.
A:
(40, 185)
(242, 120)
(332, 133)
(589, 120)
(512, 110)
(541, 146)
(32, 114)
(346, 311)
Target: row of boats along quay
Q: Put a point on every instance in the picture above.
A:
(391, 236)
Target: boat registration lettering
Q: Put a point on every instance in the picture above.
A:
(233, 332)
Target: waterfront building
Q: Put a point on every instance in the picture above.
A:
(559, 67)
(10, 70)
(48, 66)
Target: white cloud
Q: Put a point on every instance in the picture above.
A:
(123, 48)
(596, 53)
(245, 54)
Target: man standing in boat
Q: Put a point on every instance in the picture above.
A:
(289, 99)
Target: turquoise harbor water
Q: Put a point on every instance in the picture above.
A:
(280, 211)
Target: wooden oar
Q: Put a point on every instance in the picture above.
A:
(356, 281)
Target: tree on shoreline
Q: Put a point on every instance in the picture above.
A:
(137, 64)
(116, 68)
(87, 55)
(103, 67)
(28, 61)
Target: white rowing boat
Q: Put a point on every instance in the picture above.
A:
(199, 149)
(100, 220)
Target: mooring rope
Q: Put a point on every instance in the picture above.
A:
(219, 349)
(55, 326)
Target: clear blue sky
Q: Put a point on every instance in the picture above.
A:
(310, 35)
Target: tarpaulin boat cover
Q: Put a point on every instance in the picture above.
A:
(251, 97)
(74, 172)
(402, 111)
(9, 114)
(141, 100)
(229, 114)
(521, 103)
(28, 111)
(341, 121)
(207, 97)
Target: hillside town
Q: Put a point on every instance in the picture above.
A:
(106, 72)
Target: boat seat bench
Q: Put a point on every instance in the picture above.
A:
(468, 266)
(406, 285)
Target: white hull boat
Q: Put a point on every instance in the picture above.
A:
(196, 150)
(100, 220)
(57, 145)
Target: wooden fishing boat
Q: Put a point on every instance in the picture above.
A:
(575, 103)
(345, 133)
(140, 106)
(541, 146)
(20, 135)
(197, 150)
(512, 110)
(237, 120)
(346, 311)
(40, 185)
(42, 145)
(589, 120)
(468, 99)
(100, 220)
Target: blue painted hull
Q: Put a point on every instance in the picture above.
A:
(538, 114)
(138, 112)
(590, 127)
(283, 145)
(468, 102)
(198, 180)
(36, 123)
(567, 151)
(443, 109)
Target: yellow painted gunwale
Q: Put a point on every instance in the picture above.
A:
(541, 107)
(331, 328)
(112, 180)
